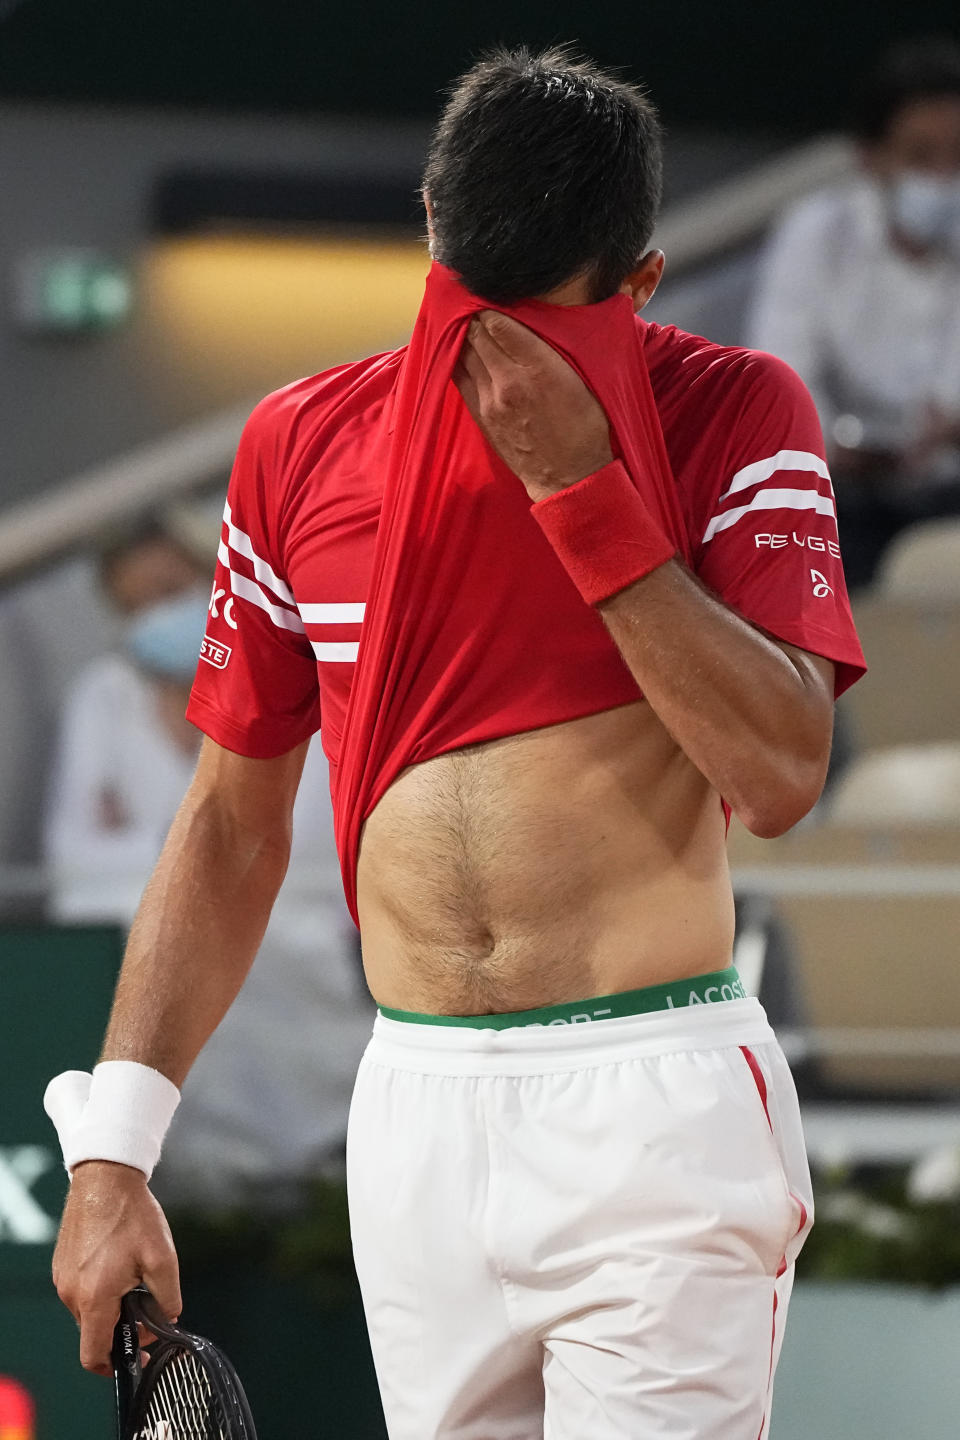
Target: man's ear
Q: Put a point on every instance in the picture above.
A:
(429, 209)
(642, 282)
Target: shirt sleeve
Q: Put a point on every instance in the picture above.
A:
(770, 547)
(256, 689)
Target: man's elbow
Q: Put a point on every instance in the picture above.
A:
(782, 777)
(774, 807)
(238, 837)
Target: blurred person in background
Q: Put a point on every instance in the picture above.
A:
(267, 1103)
(126, 753)
(860, 293)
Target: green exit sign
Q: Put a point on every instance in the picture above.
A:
(71, 292)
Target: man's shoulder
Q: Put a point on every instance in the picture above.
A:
(350, 391)
(689, 369)
(724, 408)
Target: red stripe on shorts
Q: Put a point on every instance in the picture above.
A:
(761, 1084)
(773, 1341)
(759, 1079)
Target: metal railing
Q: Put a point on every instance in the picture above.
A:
(832, 879)
(733, 212)
(38, 531)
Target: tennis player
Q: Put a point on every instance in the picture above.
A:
(563, 588)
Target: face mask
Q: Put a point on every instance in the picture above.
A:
(926, 209)
(165, 639)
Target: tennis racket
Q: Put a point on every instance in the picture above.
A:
(188, 1391)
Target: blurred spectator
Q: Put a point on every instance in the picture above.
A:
(126, 752)
(860, 292)
(266, 1103)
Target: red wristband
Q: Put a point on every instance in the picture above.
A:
(603, 533)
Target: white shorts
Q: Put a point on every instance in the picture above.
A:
(581, 1232)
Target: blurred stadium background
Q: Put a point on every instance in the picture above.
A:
(201, 201)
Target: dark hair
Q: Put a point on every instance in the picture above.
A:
(921, 69)
(543, 168)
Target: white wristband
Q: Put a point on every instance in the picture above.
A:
(123, 1117)
(64, 1099)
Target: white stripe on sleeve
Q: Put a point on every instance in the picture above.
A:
(331, 614)
(771, 500)
(248, 589)
(335, 649)
(762, 470)
(240, 541)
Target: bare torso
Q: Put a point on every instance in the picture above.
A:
(568, 862)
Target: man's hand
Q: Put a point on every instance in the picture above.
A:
(531, 405)
(113, 1236)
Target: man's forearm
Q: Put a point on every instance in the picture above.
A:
(753, 719)
(196, 933)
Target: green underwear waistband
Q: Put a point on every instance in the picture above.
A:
(709, 989)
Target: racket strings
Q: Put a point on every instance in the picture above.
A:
(183, 1404)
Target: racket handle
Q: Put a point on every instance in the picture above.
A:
(126, 1364)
